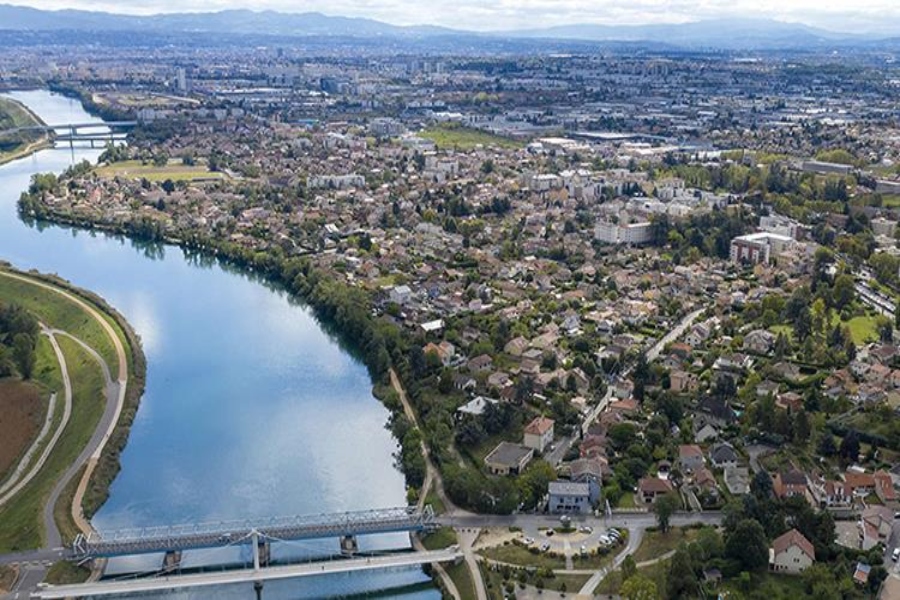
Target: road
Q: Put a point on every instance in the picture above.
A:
(194, 580)
(634, 541)
(654, 352)
(618, 519)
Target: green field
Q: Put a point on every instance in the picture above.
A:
(460, 575)
(440, 539)
(862, 329)
(12, 115)
(462, 138)
(59, 312)
(657, 543)
(135, 169)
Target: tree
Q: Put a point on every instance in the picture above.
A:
(761, 485)
(746, 544)
(23, 352)
(681, 581)
(639, 587)
(664, 507)
(849, 450)
(629, 568)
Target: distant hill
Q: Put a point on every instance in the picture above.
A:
(723, 34)
(720, 33)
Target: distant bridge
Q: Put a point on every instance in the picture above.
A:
(255, 575)
(179, 538)
(100, 131)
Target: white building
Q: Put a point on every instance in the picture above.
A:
(759, 247)
(631, 233)
(539, 434)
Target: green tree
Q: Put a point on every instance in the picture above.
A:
(746, 544)
(681, 580)
(629, 568)
(664, 507)
(639, 588)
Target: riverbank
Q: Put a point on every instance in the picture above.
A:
(96, 431)
(15, 114)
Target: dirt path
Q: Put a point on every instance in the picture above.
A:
(432, 477)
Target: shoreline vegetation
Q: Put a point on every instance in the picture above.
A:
(108, 465)
(15, 114)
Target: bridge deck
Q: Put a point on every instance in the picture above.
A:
(133, 586)
(209, 535)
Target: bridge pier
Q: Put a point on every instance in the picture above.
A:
(258, 588)
(172, 561)
(349, 545)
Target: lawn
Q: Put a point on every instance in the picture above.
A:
(64, 572)
(440, 539)
(59, 312)
(612, 582)
(175, 171)
(23, 408)
(459, 573)
(515, 554)
(862, 329)
(463, 138)
(657, 543)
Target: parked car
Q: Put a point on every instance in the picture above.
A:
(895, 555)
(587, 529)
(528, 541)
(545, 546)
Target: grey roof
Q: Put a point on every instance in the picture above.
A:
(508, 454)
(569, 488)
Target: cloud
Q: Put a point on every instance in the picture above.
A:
(858, 16)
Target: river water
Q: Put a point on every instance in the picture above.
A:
(251, 410)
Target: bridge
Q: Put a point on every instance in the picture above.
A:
(179, 538)
(100, 131)
(255, 575)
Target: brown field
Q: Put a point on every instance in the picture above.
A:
(22, 411)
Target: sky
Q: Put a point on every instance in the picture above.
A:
(856, 16)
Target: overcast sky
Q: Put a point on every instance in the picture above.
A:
(839, 15)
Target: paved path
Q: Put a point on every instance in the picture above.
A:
(67, 412)
(635, 536)
(467, 539)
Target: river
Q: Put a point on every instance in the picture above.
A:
(251, 409)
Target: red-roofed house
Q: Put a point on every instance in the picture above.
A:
(651, 488)
(884, 486)
(539, 433)
(791, 553)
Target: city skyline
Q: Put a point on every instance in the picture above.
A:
(866, 16)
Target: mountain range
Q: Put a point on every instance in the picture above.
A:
(722, 34)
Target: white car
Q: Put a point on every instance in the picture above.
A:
(605, 540)
(587, 529)
(528, 541)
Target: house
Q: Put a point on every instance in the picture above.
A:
(875, 526)
(498, 380)
(705, 432)
(464, 383)
(705, 481)
(861, 573)
(723, 456)
(884, 486)
(697, 335)
(858, 483)
(791, 553)
(589, 471)
(480, 364)
(568, 497)
(474, 408)
(539, 434)
(690, 458)
(508, 459)
(516, 346)
(651, 488)
(791, 483)
(716, 412)
(759, 341)
(682, 381)
(400, 294)
(737, 480)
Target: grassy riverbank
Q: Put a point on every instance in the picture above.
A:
(14, 114)
(21, 525)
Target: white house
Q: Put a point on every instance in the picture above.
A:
(539, 433)
(791, 553)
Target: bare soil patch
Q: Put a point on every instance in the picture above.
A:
(22, 411)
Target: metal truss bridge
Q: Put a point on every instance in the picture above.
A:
(177, 538)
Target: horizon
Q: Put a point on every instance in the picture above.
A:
(509, 16)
